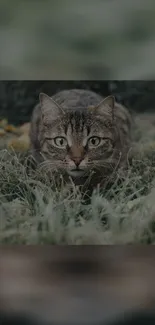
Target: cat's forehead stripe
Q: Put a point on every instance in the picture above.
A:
(77, 124)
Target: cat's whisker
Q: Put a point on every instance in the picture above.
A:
(49, 162)
(63, 125)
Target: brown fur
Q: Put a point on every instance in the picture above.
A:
(78, 115)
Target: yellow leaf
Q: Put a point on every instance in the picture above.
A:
(2, 132)
(20, 144)
(3, 123)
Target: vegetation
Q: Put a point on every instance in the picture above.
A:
(34, 210)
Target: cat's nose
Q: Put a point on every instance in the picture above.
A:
(77, 160)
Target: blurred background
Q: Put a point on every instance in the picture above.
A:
(77, 285)
(18, 98)
(81, 40)
(102, 39)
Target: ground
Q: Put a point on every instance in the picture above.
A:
(34, 212)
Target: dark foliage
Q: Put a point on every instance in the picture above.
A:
(17, 98)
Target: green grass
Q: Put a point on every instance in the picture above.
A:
(34, 210)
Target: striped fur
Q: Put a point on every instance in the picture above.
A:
(77, 115)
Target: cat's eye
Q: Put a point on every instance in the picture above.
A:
(60, 142)
(94, 141)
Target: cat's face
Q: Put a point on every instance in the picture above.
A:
(77, 141)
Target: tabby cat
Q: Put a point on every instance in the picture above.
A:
(81, 135)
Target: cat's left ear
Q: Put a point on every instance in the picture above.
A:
(49, 106)
(107, 105)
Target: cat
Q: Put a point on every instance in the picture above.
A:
(80, 134)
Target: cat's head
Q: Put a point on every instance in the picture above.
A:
(77, 141)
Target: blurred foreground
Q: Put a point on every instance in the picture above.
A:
(76, 285)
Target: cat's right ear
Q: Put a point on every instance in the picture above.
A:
(49, 106)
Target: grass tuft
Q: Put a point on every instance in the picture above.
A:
(32, 211)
